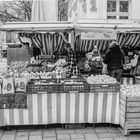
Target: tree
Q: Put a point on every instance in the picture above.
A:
(62, 10)
(20, 10)
(15, 10)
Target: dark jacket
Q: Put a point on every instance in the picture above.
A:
(114, 58)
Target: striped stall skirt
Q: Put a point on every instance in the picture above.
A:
(65, 108)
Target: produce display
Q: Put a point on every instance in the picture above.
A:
(130, 90)
(101, 79)
(18, 65)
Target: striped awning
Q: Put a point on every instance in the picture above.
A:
(129, 39)
(88, 45)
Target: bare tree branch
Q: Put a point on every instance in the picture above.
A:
(16, 10)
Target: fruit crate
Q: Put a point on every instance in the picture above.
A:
(66, 88)
(129, 113)
(105, 87)
(47, 88)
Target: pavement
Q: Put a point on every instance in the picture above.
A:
(89, 133)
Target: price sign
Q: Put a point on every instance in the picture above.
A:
(20, 84)
(8, 86)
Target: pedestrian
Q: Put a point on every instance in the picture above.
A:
(114, 59)
(135, 63)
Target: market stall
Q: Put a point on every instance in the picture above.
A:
(128, 38)
(53, 98)
(41, 91)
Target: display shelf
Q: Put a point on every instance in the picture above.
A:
(129, 113)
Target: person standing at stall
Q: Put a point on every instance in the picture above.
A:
(114, 59)
(71, 60)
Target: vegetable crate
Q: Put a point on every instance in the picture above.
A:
(104, 87)
(65, 88)
(129, 113)
(50, 88)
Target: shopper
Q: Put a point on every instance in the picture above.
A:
(135, 63)
(114, 59)
(72, 60)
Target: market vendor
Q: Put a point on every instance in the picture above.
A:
(71, 60)
(114, 59)
(94, 60)
(94, 54)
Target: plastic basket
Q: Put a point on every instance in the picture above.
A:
(104, 87)
(57, 80)
(52, 88)
(66, 88)
(44, 80)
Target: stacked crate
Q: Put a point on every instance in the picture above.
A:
(129, 113)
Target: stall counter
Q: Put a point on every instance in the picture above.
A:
(64, 108)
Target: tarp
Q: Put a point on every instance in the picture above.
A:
(42, 10)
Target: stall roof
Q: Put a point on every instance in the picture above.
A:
(35, 26)
(83, 26)
(108, 25)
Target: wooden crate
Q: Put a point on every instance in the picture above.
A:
(129, 113)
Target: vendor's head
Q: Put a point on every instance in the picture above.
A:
(114, 44)
(68, 47)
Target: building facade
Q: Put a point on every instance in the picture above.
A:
(103, 9)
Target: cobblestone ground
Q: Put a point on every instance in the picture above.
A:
(97, 133)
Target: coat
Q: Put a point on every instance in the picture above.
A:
(114, 58)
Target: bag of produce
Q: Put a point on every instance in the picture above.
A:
(8, 85)
(20, 84)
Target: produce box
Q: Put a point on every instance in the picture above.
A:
(47, 88)
(129, 113)
(66, 88)
(105, 87)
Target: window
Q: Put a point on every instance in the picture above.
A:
(118, 9)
